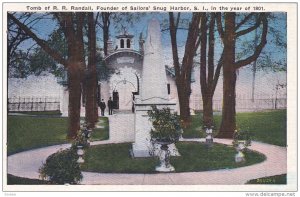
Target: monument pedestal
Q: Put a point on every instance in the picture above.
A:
(142, 147)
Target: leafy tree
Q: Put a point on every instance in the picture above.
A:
(91, 82)
(209, 72)
(183, 69)
(72, 27)
(229, 35)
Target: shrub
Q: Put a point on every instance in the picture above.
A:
(166, 125)
(81, 139)
(241, 136)
(62, 167)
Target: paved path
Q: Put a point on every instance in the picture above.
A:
(26, 164)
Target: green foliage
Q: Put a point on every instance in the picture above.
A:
(195, 157)
(80, 140)
(37, 60)
(242, 135)
(62, 168)
(166, 125)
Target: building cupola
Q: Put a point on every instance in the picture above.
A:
(124, 41)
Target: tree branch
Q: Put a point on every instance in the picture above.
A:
(56, 56)
(211, 50)
(219, 25)
(203, 48)
(244, 21)
(217, 73)
(259, 47)
(255, 26)
(174, 45)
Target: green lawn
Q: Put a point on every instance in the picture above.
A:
(195, 157)
(278, 179)
(101, 133)
(268, 127)
(14, 180)
(29, 132)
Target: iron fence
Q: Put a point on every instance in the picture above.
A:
(245, 104)
(18, 104)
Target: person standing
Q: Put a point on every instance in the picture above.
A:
(102, 107)
(110, 106)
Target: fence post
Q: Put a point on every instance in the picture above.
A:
(45, 104)
(31, 103)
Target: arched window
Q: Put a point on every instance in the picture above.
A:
(122, 43)
(128, 43)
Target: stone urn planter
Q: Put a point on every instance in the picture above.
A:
(80, 153)
(209, 138)
(165, 130)
(240, 157)
(241, 140)
(164, 157)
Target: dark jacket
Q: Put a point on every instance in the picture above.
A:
(102, 105)
(110, 103)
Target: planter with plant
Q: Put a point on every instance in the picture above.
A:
(80, 143)
(165, 130)
(241, 140)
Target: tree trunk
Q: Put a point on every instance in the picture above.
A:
(207, 111)
(184, 104)
(91, 111)
(74, 85)
(106, 24)
(228, 124)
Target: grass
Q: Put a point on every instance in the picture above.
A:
(14, 180)
(278, 179)
(268, 127)
(29, 132)
(101, 133)
(195, 157)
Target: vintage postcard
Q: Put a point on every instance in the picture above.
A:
(150, 97)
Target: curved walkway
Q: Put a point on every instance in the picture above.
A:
(26, 164)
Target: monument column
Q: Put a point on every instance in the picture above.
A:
(154, 90)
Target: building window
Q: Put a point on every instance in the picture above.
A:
(169, 88)
(128, 43)
(122, 43)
